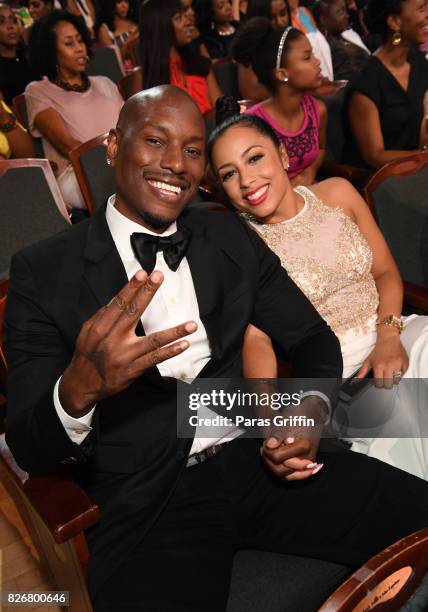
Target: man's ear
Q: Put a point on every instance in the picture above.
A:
(112, 146)
(281, 74)
(284, 156)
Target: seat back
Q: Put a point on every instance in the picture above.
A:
(131, 83)
(105, 61)
(95, 177)
(388, 580)
(335, 132)
(20, 109)
(31, 206)
(397, 196)
(226, 73)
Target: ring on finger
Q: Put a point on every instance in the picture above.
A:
(398, 374)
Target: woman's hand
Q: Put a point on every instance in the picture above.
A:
(387, 359)
(291, 459)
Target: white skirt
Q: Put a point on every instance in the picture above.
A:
(70, 190)
(406, 453)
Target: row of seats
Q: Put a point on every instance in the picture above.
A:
(396, 194)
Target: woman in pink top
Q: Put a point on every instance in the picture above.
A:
(283, 62)
(66, 108)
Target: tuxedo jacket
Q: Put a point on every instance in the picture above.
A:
(132, 459)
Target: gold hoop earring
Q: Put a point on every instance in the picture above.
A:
(396, 38)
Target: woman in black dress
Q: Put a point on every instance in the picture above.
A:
(385, 103)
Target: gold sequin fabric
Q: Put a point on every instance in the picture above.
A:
(326, 255)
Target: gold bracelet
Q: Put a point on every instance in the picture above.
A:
(392, 321)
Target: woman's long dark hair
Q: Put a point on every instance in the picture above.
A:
(157, 38)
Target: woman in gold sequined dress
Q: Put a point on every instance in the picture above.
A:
(332, 248)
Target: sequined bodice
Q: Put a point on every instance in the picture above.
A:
(326, 255)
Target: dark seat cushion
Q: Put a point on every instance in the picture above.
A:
(270, 582)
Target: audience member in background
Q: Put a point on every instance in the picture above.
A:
(277, 11)
(40, 8)
(37, 9)
(284, 63)
(116, 26)
(14, 139)
(166, 34)
(66, 107)
(189, 13)
(85, 10)
(356, 17)
(331, 247)
(215, 22)
(333, 21)
(15, 72)
(302, 19)
(385, 103)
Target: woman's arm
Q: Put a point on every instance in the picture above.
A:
(366, 130)
(214, 90)
(213, 87)
(388, 355)
(19, 140)
(50, 123)
(104, 37)
(235, 10)
(259, 359)
(308, 175)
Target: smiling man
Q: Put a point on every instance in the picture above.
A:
(95, 348)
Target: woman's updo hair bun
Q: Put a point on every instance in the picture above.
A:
(256, 46)
(250, 40)
(377, 14)
(226, 107)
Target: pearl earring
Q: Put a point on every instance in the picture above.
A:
(109, 162)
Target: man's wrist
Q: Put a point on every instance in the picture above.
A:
(72, 403)
(317, 407)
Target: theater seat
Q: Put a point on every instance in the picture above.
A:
(397, 196)
(271, 582)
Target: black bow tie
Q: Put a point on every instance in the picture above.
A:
(145, 247)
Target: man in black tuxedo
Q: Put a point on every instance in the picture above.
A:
(95, 348)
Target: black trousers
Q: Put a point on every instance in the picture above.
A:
(353, 508)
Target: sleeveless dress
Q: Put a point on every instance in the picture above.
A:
(326, 255)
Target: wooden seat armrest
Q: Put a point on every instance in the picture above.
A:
(64, 506)
(415, 295)
(61, 503)
(351, 173)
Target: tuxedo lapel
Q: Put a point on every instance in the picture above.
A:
(202, 256)
(104, 272)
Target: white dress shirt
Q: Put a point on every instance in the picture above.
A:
(174, 302)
